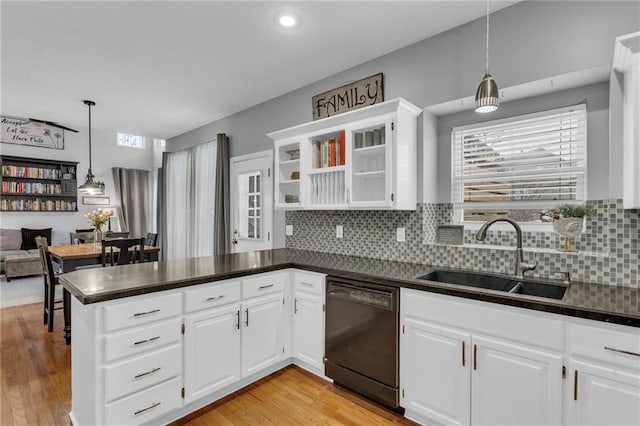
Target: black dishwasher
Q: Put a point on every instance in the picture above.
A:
(361, 338)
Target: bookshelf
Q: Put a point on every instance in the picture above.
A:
(37, 185)
(362, 159)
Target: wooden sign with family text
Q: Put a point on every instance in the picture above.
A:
(359, 94)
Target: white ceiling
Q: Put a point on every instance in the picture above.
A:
(162, 68)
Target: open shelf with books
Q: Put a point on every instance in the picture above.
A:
(36, 185)
(362, 159)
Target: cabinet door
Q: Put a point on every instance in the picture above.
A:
(211, 351)
(370, 143)
(262, 339)
(603, 395)
(435, 376)
(308, 329)
(513, 384)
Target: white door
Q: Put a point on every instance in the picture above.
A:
(212, 351)
(308, 329)
(603, 395)
(436, 379)
(252, 201)
(262, 337)
(513, 384)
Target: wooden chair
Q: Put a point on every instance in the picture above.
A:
(50, 282)
(124, 255)
(85, 230)
(113, 234)
(151, 240)
(80, 237)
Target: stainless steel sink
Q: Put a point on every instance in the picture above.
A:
(496, 282)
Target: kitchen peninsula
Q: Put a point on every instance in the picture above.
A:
(129, 353)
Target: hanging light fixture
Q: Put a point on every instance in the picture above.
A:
(487, 93)
(90, 186)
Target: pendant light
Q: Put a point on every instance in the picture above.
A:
(487, 93)
(90, 186)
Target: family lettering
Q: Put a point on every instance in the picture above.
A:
(365, 92)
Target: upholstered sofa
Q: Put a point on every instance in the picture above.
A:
(22, 262)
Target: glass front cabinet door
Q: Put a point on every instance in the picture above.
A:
(362, 159)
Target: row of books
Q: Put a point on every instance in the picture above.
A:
(31, 188)
(329, 152)
(38, 205)
(30, 172)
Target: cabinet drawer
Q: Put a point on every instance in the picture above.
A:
(312, 283)
(142, 339)
(617, 346)
(142, 311)
(143, 372)
(146, 405)
(210, 295)
(263, 284)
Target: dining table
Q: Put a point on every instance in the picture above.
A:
(72, 256)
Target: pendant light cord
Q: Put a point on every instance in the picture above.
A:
(487, 40)
(89, 105)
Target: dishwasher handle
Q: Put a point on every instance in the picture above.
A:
(368, 296)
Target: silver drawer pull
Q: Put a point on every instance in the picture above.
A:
(262, 287)
(307, 284)
(154, 405)
(622, 351)
(137, 376)
(211, 299)
(139, 314)
(140, 342)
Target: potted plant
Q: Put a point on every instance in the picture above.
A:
(568, 220)
(98, 218)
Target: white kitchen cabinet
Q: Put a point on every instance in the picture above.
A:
(435, 368)
(211, 350)
(465, 362)
(362, 159)
(604, 374)
(513, 384)
(262, 334)
(308, 321)
(602, 395)
(626, 60)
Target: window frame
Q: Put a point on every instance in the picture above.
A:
(458, 207)
(142, 139)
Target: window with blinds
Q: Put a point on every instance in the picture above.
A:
(519, 166)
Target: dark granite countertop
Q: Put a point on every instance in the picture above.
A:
(619, 305)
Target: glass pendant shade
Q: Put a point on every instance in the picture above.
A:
(487, 95)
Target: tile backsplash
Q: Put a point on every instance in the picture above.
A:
(606, 252)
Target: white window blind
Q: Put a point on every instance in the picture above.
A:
(531, 161)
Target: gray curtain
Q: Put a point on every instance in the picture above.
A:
(221, 219)
(132, 194)
(162, 212)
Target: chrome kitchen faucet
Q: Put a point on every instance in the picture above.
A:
(521, 266)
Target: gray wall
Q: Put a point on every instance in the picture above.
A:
(529, 41)
(596, 96)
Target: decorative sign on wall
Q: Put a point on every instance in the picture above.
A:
(95, 201)
(362, 93)
(28, 132)
(450, 234)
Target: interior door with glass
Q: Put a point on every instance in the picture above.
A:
(252, 202)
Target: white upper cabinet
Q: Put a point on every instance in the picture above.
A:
(626, 60)
(362, 159)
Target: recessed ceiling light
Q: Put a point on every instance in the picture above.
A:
(287, 20)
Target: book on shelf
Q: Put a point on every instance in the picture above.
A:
(332, 152)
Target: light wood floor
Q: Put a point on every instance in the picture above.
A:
(35, 381)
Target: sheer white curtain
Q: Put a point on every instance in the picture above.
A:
(189, 201)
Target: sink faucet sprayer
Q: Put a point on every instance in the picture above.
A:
(521, 266)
